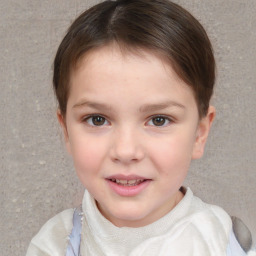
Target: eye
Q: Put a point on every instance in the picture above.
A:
(96, 120)
(159, 121)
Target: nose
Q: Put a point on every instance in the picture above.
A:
(127, 147)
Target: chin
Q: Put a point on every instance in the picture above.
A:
(126, 217)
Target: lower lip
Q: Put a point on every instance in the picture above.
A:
(128, 190)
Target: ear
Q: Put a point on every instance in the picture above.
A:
(63, 125)
(203, 130)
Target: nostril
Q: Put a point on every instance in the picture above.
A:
(126, 156)
(126, 146)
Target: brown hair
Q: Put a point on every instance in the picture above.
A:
(158, 25)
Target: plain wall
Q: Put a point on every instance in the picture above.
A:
(37, 177)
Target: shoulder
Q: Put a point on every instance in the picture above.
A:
(212, 212)
(197, 209)
(53, 236)
(213, 216)
(211, 223)
(206, 226)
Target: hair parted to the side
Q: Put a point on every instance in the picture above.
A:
(160, 26)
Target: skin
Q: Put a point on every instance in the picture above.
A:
(127, 92)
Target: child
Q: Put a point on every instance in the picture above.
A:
(133, 80)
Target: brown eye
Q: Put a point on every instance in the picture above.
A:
(159, 121)
(98, 120)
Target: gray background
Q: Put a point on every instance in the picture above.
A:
(37, 177)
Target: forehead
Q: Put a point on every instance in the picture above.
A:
(114, 56)
(125, 72)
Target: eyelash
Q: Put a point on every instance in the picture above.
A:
(89, 120)
(164, 118)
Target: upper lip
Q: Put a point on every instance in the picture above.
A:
(126, 177)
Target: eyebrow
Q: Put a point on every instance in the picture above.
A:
(143, 108)
(95, 105)
(160, 106)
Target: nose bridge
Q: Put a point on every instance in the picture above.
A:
(126, 145)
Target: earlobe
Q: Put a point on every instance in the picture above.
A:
(63, 125)
(202, 133)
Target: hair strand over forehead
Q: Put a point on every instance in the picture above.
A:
(160, 26)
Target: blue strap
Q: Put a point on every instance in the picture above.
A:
(234, 248)
(73, 248)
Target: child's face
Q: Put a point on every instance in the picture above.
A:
(132, 128)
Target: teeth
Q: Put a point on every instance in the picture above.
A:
(123, 182)
(131, 182)
(128, 182)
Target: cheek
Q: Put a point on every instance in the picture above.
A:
(87, 154)
(173, 155)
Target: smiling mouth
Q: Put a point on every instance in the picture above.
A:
(128, 183)
(128, 186)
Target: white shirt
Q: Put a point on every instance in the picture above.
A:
(192, 228)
